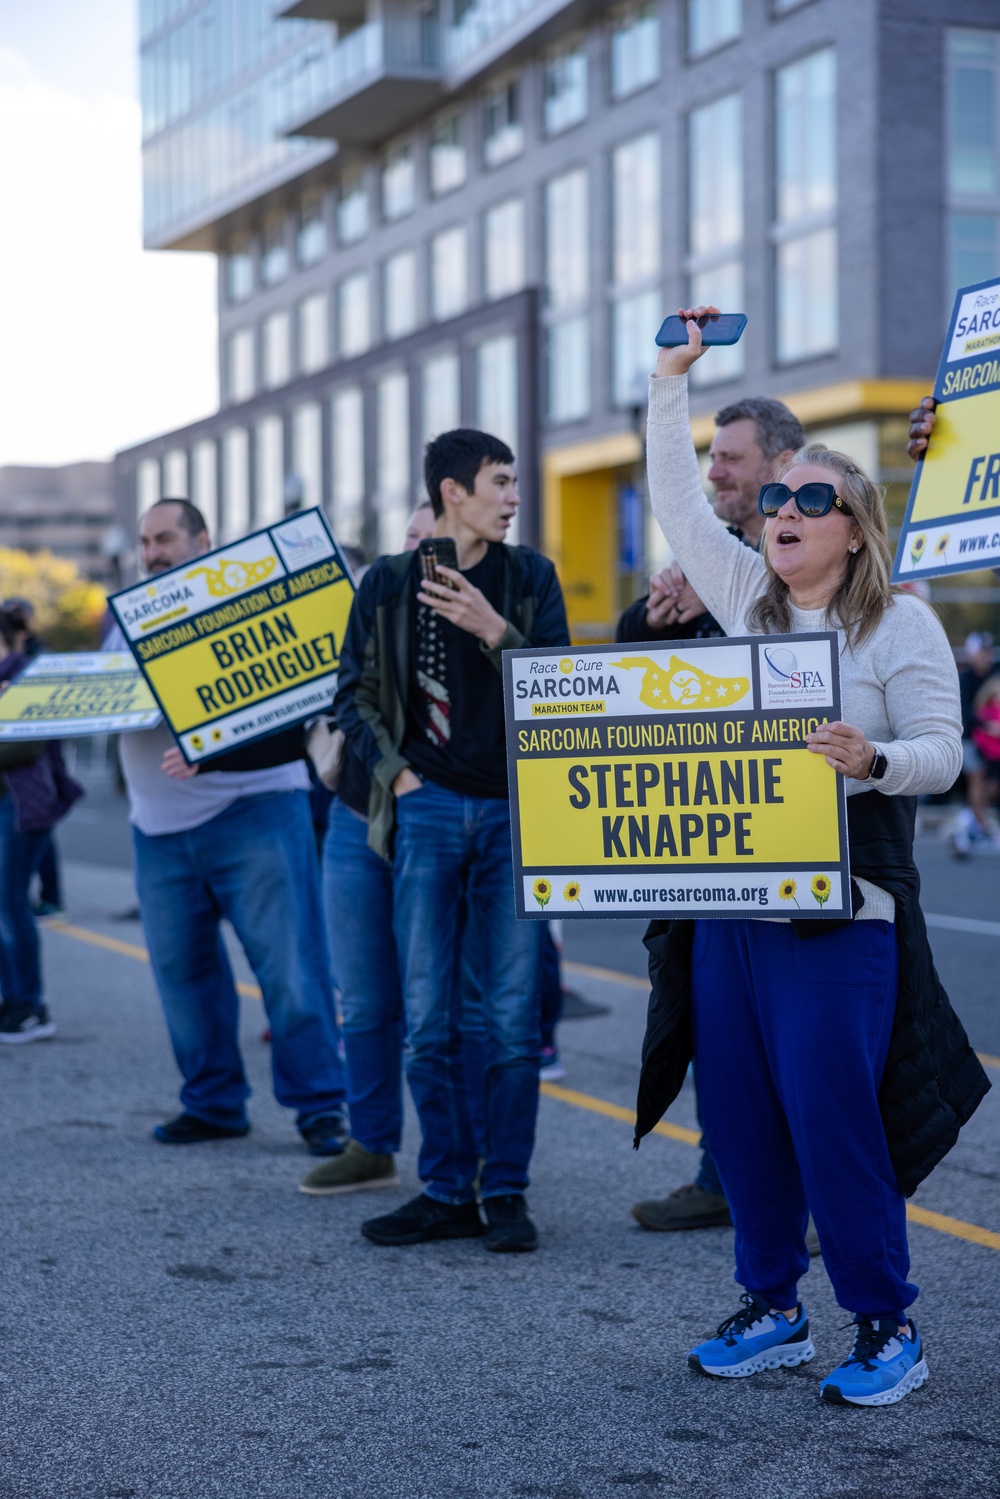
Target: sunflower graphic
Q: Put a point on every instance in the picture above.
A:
(787, 889)
(917, 546)
(542, 891)
(821, 888)
(941, 545)
(572, 892)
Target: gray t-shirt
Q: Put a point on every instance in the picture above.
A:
(159, 804)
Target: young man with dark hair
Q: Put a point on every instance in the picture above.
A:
(421, 703)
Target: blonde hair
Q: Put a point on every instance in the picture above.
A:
(988, 693)
(866, 592)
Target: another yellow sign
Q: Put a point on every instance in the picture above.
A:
(73, 695)
(265, 657)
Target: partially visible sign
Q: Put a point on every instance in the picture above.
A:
(69, 696)
(674, 780)
(245, 640)
(952, 521)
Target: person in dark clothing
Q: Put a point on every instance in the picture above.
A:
(421, 704)
(753, 439)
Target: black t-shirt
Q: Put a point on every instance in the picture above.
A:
(454, 718)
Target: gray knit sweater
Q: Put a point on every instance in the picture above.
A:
(900, 685)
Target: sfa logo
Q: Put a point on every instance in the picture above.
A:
(783, 667)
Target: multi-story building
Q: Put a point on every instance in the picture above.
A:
(69, 510)
(436, 212)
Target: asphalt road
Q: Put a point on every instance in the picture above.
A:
(182, 1324)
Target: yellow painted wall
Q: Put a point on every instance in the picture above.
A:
(582, 538)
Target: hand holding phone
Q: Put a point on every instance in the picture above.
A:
(434, 552)
(716, 328)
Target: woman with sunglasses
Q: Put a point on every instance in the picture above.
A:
(832, 1072)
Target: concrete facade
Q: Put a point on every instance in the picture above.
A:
(67, 510)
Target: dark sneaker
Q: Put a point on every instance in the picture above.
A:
(354, 1170)
(883, 1366)
(550, 1069)
(188, 1129)
(753, 1340)
(425, 1218)
(687, 1207)
(48, 908)
(509, 1230)
(326, 1134)
(20, 1023)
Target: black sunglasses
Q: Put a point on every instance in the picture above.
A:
(813, 500)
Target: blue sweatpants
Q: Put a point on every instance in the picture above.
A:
(791, 1038)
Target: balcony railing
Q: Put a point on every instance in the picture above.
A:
(378, 78)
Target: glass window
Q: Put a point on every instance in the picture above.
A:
(399, 183)
(503, 130)
(635, 50)
(973, 249)
(399, 300)
(310, 238)
(270, 473)
(354, 334)
(314, 337)
(565, 89)
(806, 202)
(503, 242)
(277, 350)
(175, 473)
(392, 458)
(635, 321)
(448, 161)
(715, 175)
(636, 203)
(307, 451)
(974, 113)
(807, 296)
(569, 370)
(242, 381)
(441, 407)
(239, 272)
(147, 486)
(721, 286)
(235, 484)
(806, 111)
(352, 209)
(449, 273)
(347, 441)
(274, 252)
(712, 22)
(496, 387)
(204, 482)
(567, 239)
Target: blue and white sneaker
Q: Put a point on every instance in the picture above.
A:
(753, 1340)
(883, 1366)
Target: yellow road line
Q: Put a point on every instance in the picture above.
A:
(987, 1060)
(125, 949)
(954, 1227)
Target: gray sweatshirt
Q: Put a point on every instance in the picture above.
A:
(899, 686)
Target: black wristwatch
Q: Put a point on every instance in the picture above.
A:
(879, 767)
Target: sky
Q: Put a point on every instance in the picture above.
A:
(102, 344)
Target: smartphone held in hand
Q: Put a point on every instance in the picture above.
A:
(716, 328)
(435, 552)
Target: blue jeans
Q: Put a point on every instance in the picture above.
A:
(453, 853)
(791, 1038)
(357, 894)
(20, 962)
(254, 864)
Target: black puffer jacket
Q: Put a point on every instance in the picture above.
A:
(933, 1081)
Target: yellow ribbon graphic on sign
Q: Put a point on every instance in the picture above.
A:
(230, 577)
(682, 686)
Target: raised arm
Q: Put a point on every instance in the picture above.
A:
(725, 574)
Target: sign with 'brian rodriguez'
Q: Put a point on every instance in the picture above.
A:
(246, 640)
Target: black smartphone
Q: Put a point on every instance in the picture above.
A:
(437, 551)
(718, 328)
